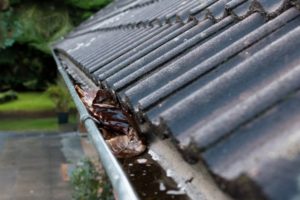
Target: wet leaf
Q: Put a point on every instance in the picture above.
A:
(113, 122)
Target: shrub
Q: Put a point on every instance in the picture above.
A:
(25, 69)
(91, 4)
(27, 28)
(89, 184)
(8, 96)
(10, 28)
(60, 96)
(42, 24)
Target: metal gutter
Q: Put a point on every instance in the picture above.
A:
(119, 180)
(194, 179)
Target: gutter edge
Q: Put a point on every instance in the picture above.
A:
(118, 178)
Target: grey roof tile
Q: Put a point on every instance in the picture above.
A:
(146, 86)
(257, 150)
(244, 98)
(151, 45)
(152, 113)
(221, 78)
(205, 54)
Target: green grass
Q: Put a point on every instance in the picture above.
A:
(43, 124)
(36, 124)
(29, 101)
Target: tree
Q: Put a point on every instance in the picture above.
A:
(27, 29)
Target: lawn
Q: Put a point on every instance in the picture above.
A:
(29, 101)
(42, 124)
(36, 124)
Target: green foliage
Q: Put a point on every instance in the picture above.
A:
(27, 29)
(10, 29)
(14, 2)
(89, 184)
(88, 5)
(79, 15)
(60, 96)
(24, 68)
(8, 96)
(42, 24)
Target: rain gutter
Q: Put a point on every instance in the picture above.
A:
(122, 187)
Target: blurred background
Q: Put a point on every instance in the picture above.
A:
(41, 153)
(29, 86)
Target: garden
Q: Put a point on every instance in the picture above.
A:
(30, 93)
(32, 96)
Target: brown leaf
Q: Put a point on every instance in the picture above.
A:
(113, 121)
(102, 96)
(124, 147)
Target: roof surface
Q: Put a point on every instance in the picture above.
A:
(221, 78)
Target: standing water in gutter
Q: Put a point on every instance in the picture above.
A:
(123, 140)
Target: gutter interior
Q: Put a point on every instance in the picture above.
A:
(160, 172)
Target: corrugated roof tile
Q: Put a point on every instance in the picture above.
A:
(221, 78)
